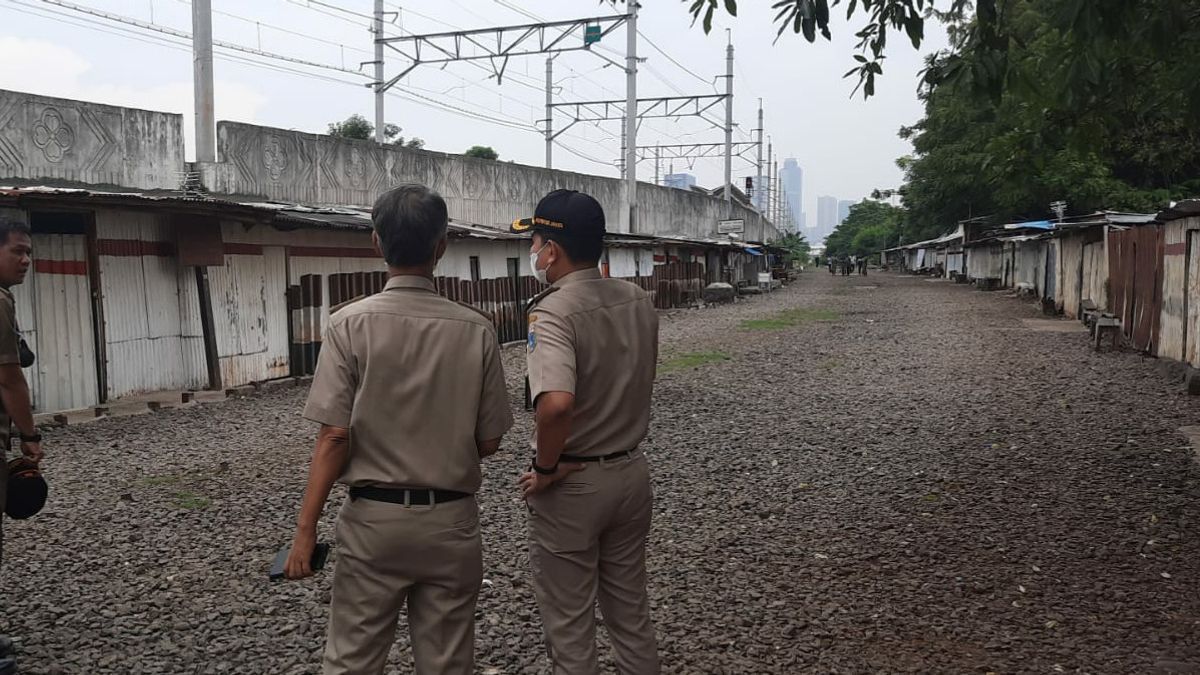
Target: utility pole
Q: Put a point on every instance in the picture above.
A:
(758, 163)
(622, 161)
(729, 117)
(377, 29)
(202, 81)
(549, 108)
(775, 186)
(631, 115)
(657, 164)
(770, 185)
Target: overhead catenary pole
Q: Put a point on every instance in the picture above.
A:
(631, 116)
(657, 165)
(758, 176)
(202, 81)
(770, 186)
(549, 111)
(775, 189)
(377, 29)
(729, 118)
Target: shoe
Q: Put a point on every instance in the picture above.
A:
(7, 648)
(8, 666)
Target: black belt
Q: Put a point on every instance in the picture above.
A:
(407, 496)
(601, 458)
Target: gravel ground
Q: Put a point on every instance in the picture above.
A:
(896, 476)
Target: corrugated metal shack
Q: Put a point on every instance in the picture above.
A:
(1179, 318)
(115, 300)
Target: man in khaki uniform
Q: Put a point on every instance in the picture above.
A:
(592, 348)
(15, 406)
(410, 395)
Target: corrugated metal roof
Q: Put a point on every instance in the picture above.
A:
(1186, 208)
(1030, 225)
(294, 216)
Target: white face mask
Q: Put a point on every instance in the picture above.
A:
(538, 274)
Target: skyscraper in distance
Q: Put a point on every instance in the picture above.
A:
(681, 181)
(827, 214)
(843, 209)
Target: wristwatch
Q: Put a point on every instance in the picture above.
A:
(545, 472)
(35, 437)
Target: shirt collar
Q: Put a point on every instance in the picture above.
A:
(579, 275)
(410, 281)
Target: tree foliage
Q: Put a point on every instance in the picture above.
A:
(796, 246)
(360, 128)
(988, 44)
(1098, 107)
(871, 227)
(482, 152)
(884, 18)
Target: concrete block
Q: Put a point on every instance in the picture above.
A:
(718, 293)
(1192, 382)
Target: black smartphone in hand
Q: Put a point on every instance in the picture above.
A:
(319, 556)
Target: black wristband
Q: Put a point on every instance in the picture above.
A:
(31, 438)
(545, 472)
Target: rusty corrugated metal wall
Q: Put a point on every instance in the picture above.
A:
(1136, 275)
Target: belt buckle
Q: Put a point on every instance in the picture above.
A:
(419, 507)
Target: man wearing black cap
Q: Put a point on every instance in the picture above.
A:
(592, 348)
(15, 406)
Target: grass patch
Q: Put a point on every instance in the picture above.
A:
(791, 317)
(191, 501)
(691, 360)
(156, 481)
(831, 364)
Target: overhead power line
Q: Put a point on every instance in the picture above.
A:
(146, 25)
(168, 39)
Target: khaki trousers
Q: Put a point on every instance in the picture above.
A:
(587, 543)
(429, 557)
(3, 491)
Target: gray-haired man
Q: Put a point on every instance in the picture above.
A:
(410, 395)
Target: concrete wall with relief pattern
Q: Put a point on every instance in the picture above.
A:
(312, 169)
(57, 140)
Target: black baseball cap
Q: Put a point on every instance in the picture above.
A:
(569, 213)
(27, 489)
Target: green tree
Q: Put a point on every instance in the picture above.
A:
(355, 126)
(1117, 129)
(870, 227)
(359, 128)
(796, 246)
(482, 152)
(988, 35)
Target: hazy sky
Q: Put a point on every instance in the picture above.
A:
(846, 146)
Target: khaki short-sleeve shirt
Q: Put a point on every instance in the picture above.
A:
(417, 380)
(596, 338)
